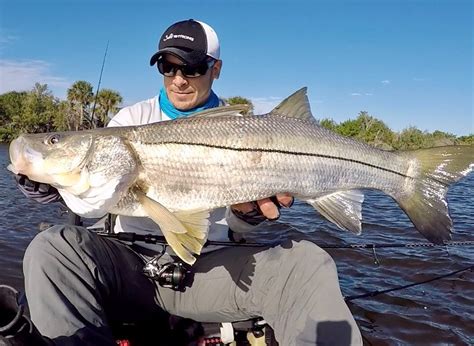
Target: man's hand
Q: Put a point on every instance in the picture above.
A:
(39, 192)
(267, 207)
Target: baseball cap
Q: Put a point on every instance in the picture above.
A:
(190, 40)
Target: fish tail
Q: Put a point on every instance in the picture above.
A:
(430, 174)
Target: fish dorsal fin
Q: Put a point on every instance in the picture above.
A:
(185, 232)
(295, 106)
(234, 110)
(343, 208)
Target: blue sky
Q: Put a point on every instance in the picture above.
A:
(405, 62)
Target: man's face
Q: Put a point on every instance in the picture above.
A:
(186, 93)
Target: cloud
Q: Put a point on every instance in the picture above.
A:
(418, 79)
(22, 75)
(385, 81)
(262, 105)
(5, 40)
(362, 94)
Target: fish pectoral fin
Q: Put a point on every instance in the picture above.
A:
(185, 232)
(343, 208)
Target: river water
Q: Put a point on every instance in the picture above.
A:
(438, 312)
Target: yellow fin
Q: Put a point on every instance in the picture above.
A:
(185, 232)
(161, 215)
(178, 248)
(196, 222)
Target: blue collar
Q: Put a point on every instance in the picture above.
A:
(167, 107)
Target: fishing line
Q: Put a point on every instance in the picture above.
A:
(397, 288)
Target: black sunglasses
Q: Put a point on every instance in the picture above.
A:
(169, 69)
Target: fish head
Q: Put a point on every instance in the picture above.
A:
(52, 158)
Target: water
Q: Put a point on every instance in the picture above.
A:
(440, 312)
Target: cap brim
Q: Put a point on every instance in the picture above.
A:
(189, 57)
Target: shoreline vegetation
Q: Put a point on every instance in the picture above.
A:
(38, 110)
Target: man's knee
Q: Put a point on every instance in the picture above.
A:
(307, 256)
(52, 243)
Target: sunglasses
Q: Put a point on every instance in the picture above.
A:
(169, 69)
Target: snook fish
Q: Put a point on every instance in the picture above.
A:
(176, 171)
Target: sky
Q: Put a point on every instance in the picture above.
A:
(407, 63)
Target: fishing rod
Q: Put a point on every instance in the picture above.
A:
(98, 84)
(159, 239)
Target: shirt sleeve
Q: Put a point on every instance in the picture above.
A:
(236, 224)
(140, 113)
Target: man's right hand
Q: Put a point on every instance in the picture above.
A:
(39, 192)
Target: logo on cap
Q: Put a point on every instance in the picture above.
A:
(173, 36)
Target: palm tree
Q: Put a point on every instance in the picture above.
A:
(108, 102)
(79, 96)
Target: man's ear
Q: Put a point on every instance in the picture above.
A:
(216, 69)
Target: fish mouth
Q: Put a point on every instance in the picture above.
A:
(22, 156)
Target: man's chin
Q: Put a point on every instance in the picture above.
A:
(182, 103)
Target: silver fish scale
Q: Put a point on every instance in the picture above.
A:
(201, 163)
(267, 132)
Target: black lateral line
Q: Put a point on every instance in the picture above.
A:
(279, 151)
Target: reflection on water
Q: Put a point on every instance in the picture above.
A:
(441, 310)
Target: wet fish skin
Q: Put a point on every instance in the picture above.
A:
(176, 171)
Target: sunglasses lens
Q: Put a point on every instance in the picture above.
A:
(169, 69)
(166, 68)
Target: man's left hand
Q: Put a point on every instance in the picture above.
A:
(269, 207)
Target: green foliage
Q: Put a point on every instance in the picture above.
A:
(11, 104)
(39, 111)
(80, 97)
(375, 132)
(107, 104)
(32, 112)
(365, 128)
(238, 100)
(466, 140)
(328, 124)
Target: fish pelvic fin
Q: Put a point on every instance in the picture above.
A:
(295, 106)
(185, 232)
(343, 208)
(433, 171)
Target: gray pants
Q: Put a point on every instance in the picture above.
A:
(76, 281)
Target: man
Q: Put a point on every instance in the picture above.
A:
(77, 283)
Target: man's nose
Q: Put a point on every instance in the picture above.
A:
(179, 80)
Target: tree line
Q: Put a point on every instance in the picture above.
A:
(375, 132)
(38, 110)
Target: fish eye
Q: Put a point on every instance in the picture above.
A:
(52, 139)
